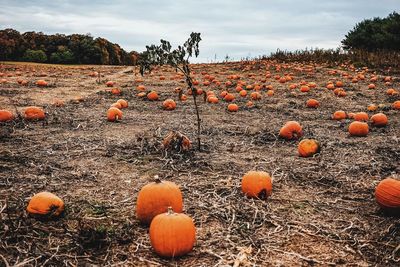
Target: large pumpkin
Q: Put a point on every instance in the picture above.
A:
(172, 234)
(45, 204)
(387, 194)
(257, 184)
(291, 130)
(155, 198)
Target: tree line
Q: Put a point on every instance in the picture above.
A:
(375, 34)
(62, 49)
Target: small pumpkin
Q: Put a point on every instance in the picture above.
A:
(6, 115)
(114, 114)
(396, 105)
(229, 97)
(115, 91)
(257, 184)
(123, 103)
(339, 115)
(172, 234)
(243, 93)
(387, 194)
(116, 105)
(255, 96)
(110, 84)
(34, 113)
(233, 107)
(212, 99)
(155, 198)
(305, 88)
(372, 107)
(379, 120)
(291, 130)
(169, 104)
(41, 83)
(153, 96)
(358, 128)
(361, 116)
(45, 204)
(308, 147)
(312, 103)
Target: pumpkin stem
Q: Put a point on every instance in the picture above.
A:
(157, 179)
(170, 211)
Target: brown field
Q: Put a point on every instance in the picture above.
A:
(322, 210)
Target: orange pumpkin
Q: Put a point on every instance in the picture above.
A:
(6, 115)
(45, 204)
(41, 83)
(110, 84)
(255, 96)
(396, 105)
(339, 84)
(212, 99)
(387, 194)
(379, 120)
(115, 91)
(34, 113)
(371, 86)
(153, 96)
(183, 97)
(123, 103)
(304, 88)
(270, 92)
(243, 93)
(257, 184)
(339, 115)
(391, 91)
(361, 116)
(116, 105)
(141, 88)
(312, 103)
(114, 114)
(308, 147)
(358, 128)
(141, 94)
(249, 104)
(169, 104)
(155, 198)
(233, 107)
(172, 234)
(229, 97)
(372, 107)
(291, 130)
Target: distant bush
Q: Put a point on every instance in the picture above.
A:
(35, 56)
(375, 34)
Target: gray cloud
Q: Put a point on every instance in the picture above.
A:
(235, 28)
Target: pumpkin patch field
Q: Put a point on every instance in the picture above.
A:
(100, 165)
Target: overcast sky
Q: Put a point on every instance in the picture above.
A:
(235, 28)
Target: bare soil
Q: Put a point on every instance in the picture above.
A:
(322, 210)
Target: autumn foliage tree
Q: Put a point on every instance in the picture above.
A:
(60, 48)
